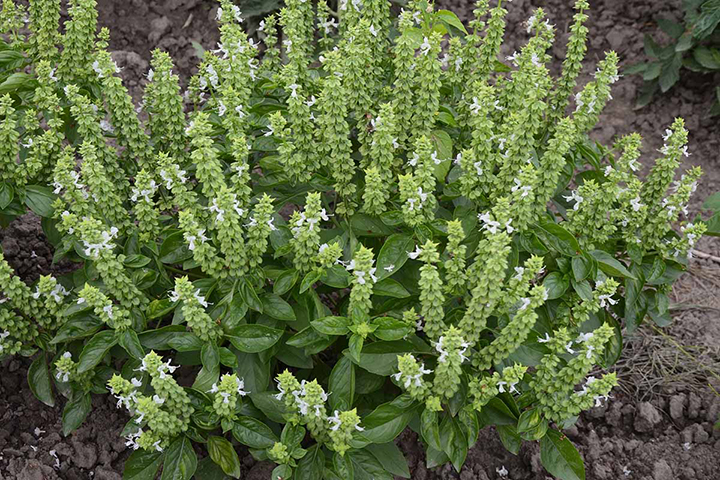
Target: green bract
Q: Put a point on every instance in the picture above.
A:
(395, 234)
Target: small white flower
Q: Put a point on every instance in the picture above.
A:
(687, 446)
(335, 420)
(608, 170)
(413, 161)
(636, 205)
(605, 299)
(488, 223)
(478, 168)
(458, 160)
(389, 268)
(584, 337)
(53, 454)
(106, 126)
(626, 471)
(574, 196)
(519, 273)
(425, 46)
(414, 255)
(519, 186)
(435, 158)
(569, 349)
(108, 309)
(237, 14)
(525, 304)
(158, 400)
(240, 383)
(475, 106)
(502, 471)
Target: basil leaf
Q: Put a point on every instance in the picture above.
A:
(222, 452)
(253, 338)
(253, 433)
(142, 465)
(560, 458)
(180, 460)
(39, 381)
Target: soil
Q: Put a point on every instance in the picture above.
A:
(658, 426)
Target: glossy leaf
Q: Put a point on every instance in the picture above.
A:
(142, 465)
(560, 458)
(180, 460)
(95, 349)
(39, 381)
(253, 433)
(222, 452)
(253, 338)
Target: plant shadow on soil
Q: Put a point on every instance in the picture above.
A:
(658, 426)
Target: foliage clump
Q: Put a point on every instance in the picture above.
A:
(394, 231)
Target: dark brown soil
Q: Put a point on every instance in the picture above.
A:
(659, 426)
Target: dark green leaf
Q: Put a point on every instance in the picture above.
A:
(390, 329)
(355, 345)
(531, 425)
(331, 325)
(40, 200)
(556, 284)
(185, 342)
(180, 460)
(311, 466)
(6, 195)
(367, 226)
(557, 238)
(285, 281)
(159, 308)
(136, 261)
(75, 411)
(342, 384)
(222, 452)
(367, 467)
(610, 265)
(253, 338)
(509, 438)
(670, 72)
(142, 465)
(159, 339)
(276, 307)
(673, 29)
(77, 328)
(380, 358)
(255, 372)
(393, 254)
(389, 419)
(309, 279)
(253, 433)
(450, 18)
(39, 381)
(390, 288)
(95, 349)
(282, 472)
(174, 249)
(250, 297)
(129, 340)
(560, 458)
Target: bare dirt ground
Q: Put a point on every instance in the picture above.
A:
(658, 426)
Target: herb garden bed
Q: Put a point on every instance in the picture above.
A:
(657, 426)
